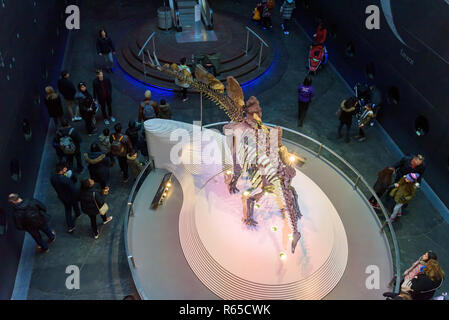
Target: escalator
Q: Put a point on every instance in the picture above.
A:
(184, 13)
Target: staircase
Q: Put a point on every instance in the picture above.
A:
(187, 13)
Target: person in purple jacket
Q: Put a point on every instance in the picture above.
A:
(305, 94)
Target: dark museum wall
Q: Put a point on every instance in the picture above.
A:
(409, 56)
(32, 42)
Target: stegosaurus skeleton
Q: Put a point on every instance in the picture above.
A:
(269, 169)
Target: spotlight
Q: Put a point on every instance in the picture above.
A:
(161, 194)
(246, 194)
(290, 237)
(283, 256)
(229, 172)
(292, 158)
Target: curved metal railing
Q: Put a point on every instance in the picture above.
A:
(309, 144)
(359, 183)
(130, 212)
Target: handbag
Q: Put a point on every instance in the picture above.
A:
(104, 208)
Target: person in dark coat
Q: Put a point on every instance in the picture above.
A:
(106, 49)
(54, 105)
(133, 133)
(88, 108)
(384, 180)
(91, 202)
(143, 147)
(99, 165)
(64, 183)
(425, 284)
(103, 94)
(345, 114)
(121, 146)
(67, 130)
(164, 110)
(30, 216)
(68, 91)
(410, 164)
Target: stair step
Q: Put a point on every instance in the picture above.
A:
(186, 11)
(186, 4)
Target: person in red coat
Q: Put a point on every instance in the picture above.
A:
(321, 34)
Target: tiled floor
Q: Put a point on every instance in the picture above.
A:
(104, 269)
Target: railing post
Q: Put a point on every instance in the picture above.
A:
(131, 258)
(260, 54)
(131, 209)
(154, 47)
(144, 67)
(319, 150)
(356, 182)
(247, 42)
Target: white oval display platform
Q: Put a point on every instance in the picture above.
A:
(236, 261)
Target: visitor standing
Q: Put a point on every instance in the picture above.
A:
(305, 95)
(99, 165)
(69, 142)
(54, 105)
(321, 34)
(409, 164)
(68, 91)
(106, 49)
(402, 193)
(93, 204)
(184, 85)
(31, 216)
(148, 109)
(88, 108)
(103, 94)
(65, 184)
(383, 182)
(164, 110)
(121, 146)
(286, 12)
(345, 114)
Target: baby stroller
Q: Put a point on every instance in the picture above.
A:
(317, 57)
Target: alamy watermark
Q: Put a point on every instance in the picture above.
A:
(72, 282)
(73, 21)
(372, 22)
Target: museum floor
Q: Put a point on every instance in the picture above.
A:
(103, 263)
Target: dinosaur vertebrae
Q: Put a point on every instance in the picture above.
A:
(220, 99)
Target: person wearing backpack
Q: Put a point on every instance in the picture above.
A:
(121, 146)
(148, 109)
(30, 216)
(69, 142)
(286, 11)
(65, 184)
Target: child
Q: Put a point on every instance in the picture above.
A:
(403, 192)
